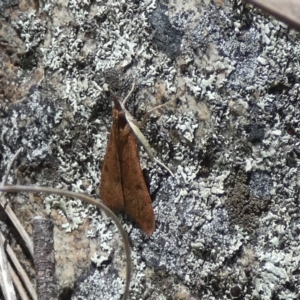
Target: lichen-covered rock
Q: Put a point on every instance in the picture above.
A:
(227, 223)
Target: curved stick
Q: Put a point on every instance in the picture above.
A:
(90, 200)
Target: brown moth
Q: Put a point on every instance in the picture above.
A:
(122, 182)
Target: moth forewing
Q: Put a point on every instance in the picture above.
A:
(111, 184)
(137, 201)
(122, 184)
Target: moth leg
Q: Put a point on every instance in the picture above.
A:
(129, 94)
(148, 113)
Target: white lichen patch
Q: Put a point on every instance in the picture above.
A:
(231, 140)
(31, 28)
(73, 210)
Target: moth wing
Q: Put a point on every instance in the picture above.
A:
(111, 183)
(137, 201)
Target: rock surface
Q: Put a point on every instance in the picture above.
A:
(227, 224)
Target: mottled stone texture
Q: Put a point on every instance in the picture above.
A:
(244, 209)
(227, 223)
(44, 258)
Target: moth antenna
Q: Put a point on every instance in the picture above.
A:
(139, 135)
(164, 166)
(135, 128)
(129, 94)
(147, 114)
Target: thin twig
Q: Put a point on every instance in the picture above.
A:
(30, 189)
(10, 212)
(4, 179)
(286, 11)
(20, 269)
(17, 283)
(5, 276)
(18, 225)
